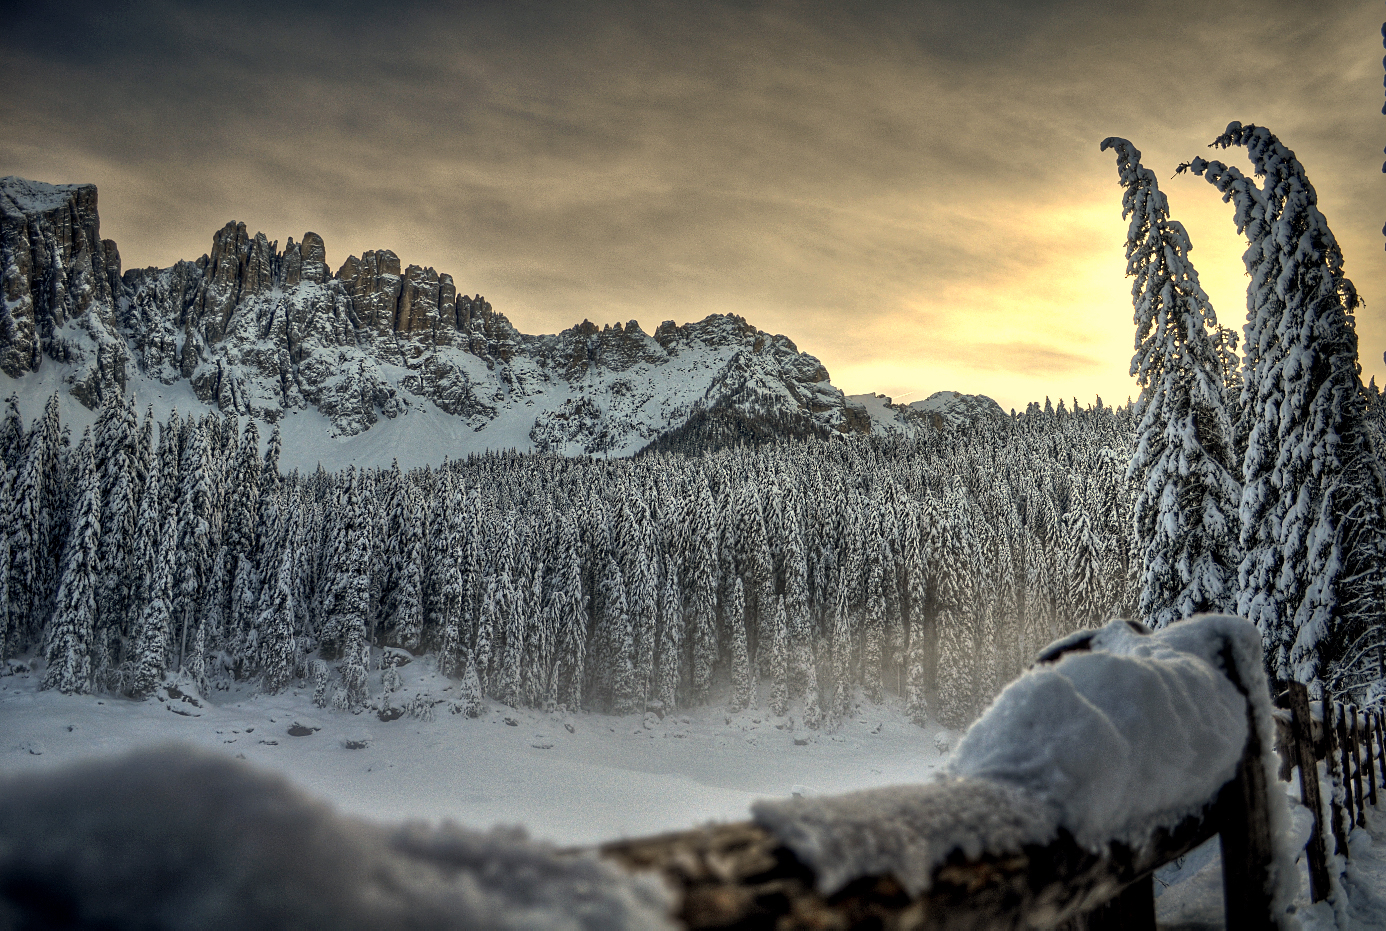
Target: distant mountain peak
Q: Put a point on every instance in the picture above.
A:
(940, 410)
(954, 407)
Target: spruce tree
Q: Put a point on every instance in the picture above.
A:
(957, 664)
(270, 479)
(843, 638)
(1184, 465)
(407, 601)
(345, 626)
(874, 631)
(1084, 599)
(611, 595)
(1312, 503)
(55, 491)
(509, 624)
(779, 657)
(277, 653)
(469, 698)
(114, 440)
(917, 658)
(241, 536)
(800, 644)
(8, 635)
(734, 616)
(670, 660)
(702, 579)
(489, 623)
(68, 639)
(568, 605)
(195, 551)
(643, 604)
(153, 626)
(28, 524)
(11, 435)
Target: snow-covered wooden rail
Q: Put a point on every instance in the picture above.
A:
(742, 876)
(985, 851)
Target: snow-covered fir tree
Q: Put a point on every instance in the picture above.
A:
(779, 657)
(154, 626)
(69, 638)
(1186, 511)
(700, 574)
(278, 653)
(1312, 503)
(406, 625)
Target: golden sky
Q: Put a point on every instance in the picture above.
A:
(911, 191)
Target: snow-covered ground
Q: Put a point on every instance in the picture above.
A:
(572, 779)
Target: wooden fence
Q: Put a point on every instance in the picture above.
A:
(741, 876)
(1353, 748)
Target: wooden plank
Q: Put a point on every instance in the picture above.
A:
(1248, 846)
(1355, 754)
(1302, 730)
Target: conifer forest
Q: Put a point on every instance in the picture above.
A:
(811, 574)
(823, 571)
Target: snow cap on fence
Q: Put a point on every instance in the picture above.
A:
(1120, 733)
(1136, 731)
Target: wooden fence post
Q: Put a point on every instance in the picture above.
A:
(1367, 728)
(1302, 728)
(1350, 805)
(1248, 849)
(1354, 737)
(1330, 756)
(1381, 748)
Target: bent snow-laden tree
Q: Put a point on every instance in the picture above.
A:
(1311, 511)
(1184, 465)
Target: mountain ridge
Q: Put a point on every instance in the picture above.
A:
(258, 331)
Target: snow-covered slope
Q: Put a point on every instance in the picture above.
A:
(258, 331)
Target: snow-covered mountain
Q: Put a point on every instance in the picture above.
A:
(376, 361)
(257, 330)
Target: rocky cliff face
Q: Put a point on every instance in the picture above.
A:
(61, 285)
(260, 331)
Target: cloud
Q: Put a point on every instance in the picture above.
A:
(834, 172)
